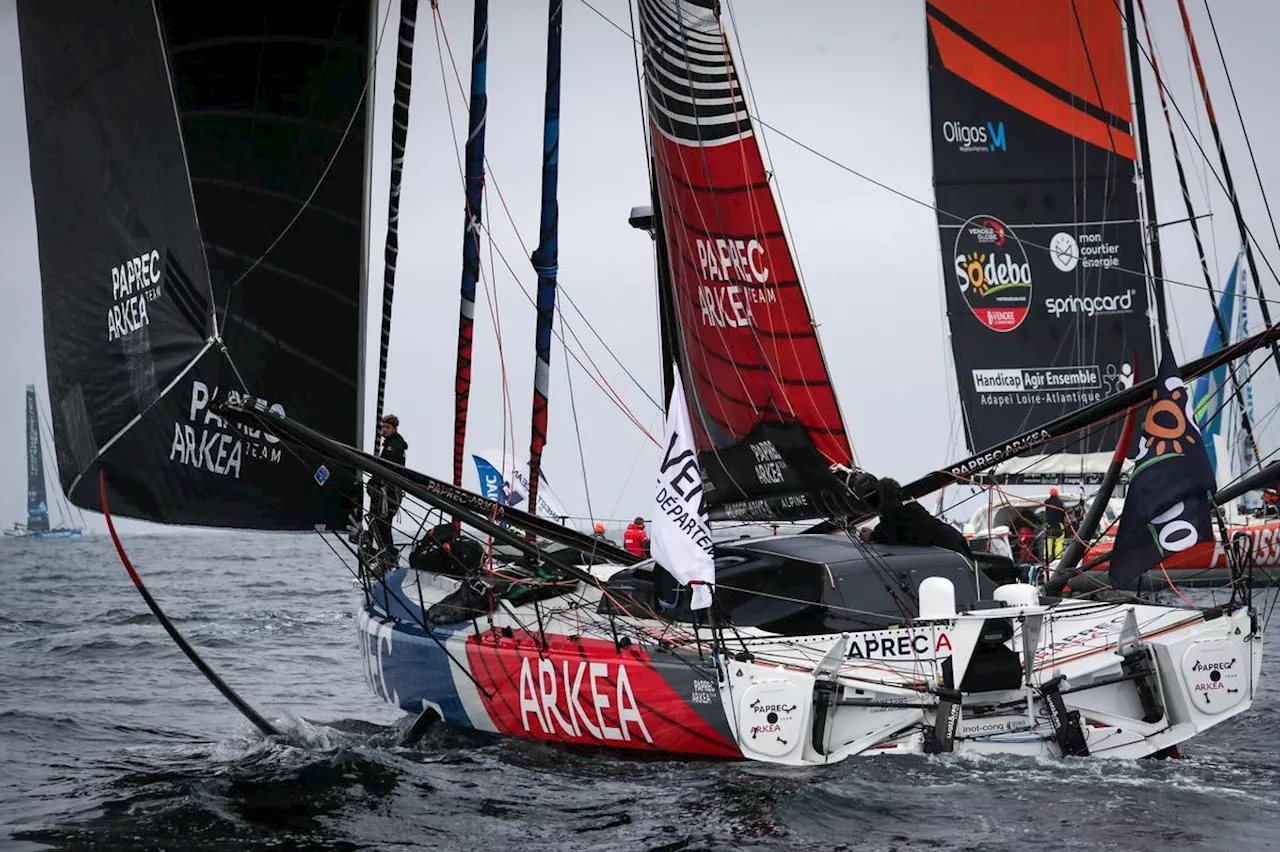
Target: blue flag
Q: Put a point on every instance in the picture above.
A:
(1209, 394)
(1168, 507)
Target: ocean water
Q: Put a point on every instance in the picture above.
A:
(110, 739)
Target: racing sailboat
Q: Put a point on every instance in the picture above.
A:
(37, 525)
(210, 399)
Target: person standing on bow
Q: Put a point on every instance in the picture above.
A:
(384, 498)
(635, 539)
(1055, 522)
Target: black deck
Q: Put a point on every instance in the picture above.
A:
(804, 584)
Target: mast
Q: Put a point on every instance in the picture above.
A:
(546, 256)
(1224, 334)
(1144, 167)
(399, 136)
(1226, 176)
(37, 501)
(471, 230)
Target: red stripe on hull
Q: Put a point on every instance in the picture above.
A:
(585, 692)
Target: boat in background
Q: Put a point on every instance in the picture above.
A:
(37, 525)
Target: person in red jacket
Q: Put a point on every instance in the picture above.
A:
(635, 539)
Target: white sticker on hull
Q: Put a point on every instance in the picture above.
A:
(1215, 675)
(772, 718)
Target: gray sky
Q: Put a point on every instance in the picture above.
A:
(847, 78)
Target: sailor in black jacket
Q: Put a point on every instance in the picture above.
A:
(911, 523)
(384, 499)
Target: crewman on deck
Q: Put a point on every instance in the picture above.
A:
(1055, 520)
(910, 523)
(635, 539)
(384, 498)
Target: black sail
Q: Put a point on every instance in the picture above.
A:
(199, 177)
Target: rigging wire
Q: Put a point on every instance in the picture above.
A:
(1244, 130)
(1220, 179)
(577, 429)
(601, 382)
(525, 249)
(1219, 322)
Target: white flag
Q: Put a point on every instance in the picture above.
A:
(681, 539)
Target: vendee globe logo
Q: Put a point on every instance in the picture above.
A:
(992, 272)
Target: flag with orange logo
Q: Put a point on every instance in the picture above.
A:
(1167, 509)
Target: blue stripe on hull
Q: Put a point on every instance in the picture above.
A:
(403, 664)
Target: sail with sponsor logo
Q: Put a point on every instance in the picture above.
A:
(199, 175)
(765, 418)
(1035, 158)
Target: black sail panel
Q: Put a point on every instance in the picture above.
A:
(145, 216)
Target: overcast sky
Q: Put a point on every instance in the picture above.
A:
(846, 77)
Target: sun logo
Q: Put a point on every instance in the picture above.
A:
(1166, 423)
(974, 268)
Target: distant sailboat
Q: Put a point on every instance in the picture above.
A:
(37, 524)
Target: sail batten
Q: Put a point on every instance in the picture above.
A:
(763, 413)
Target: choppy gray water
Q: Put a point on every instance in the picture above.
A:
(110, 739)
